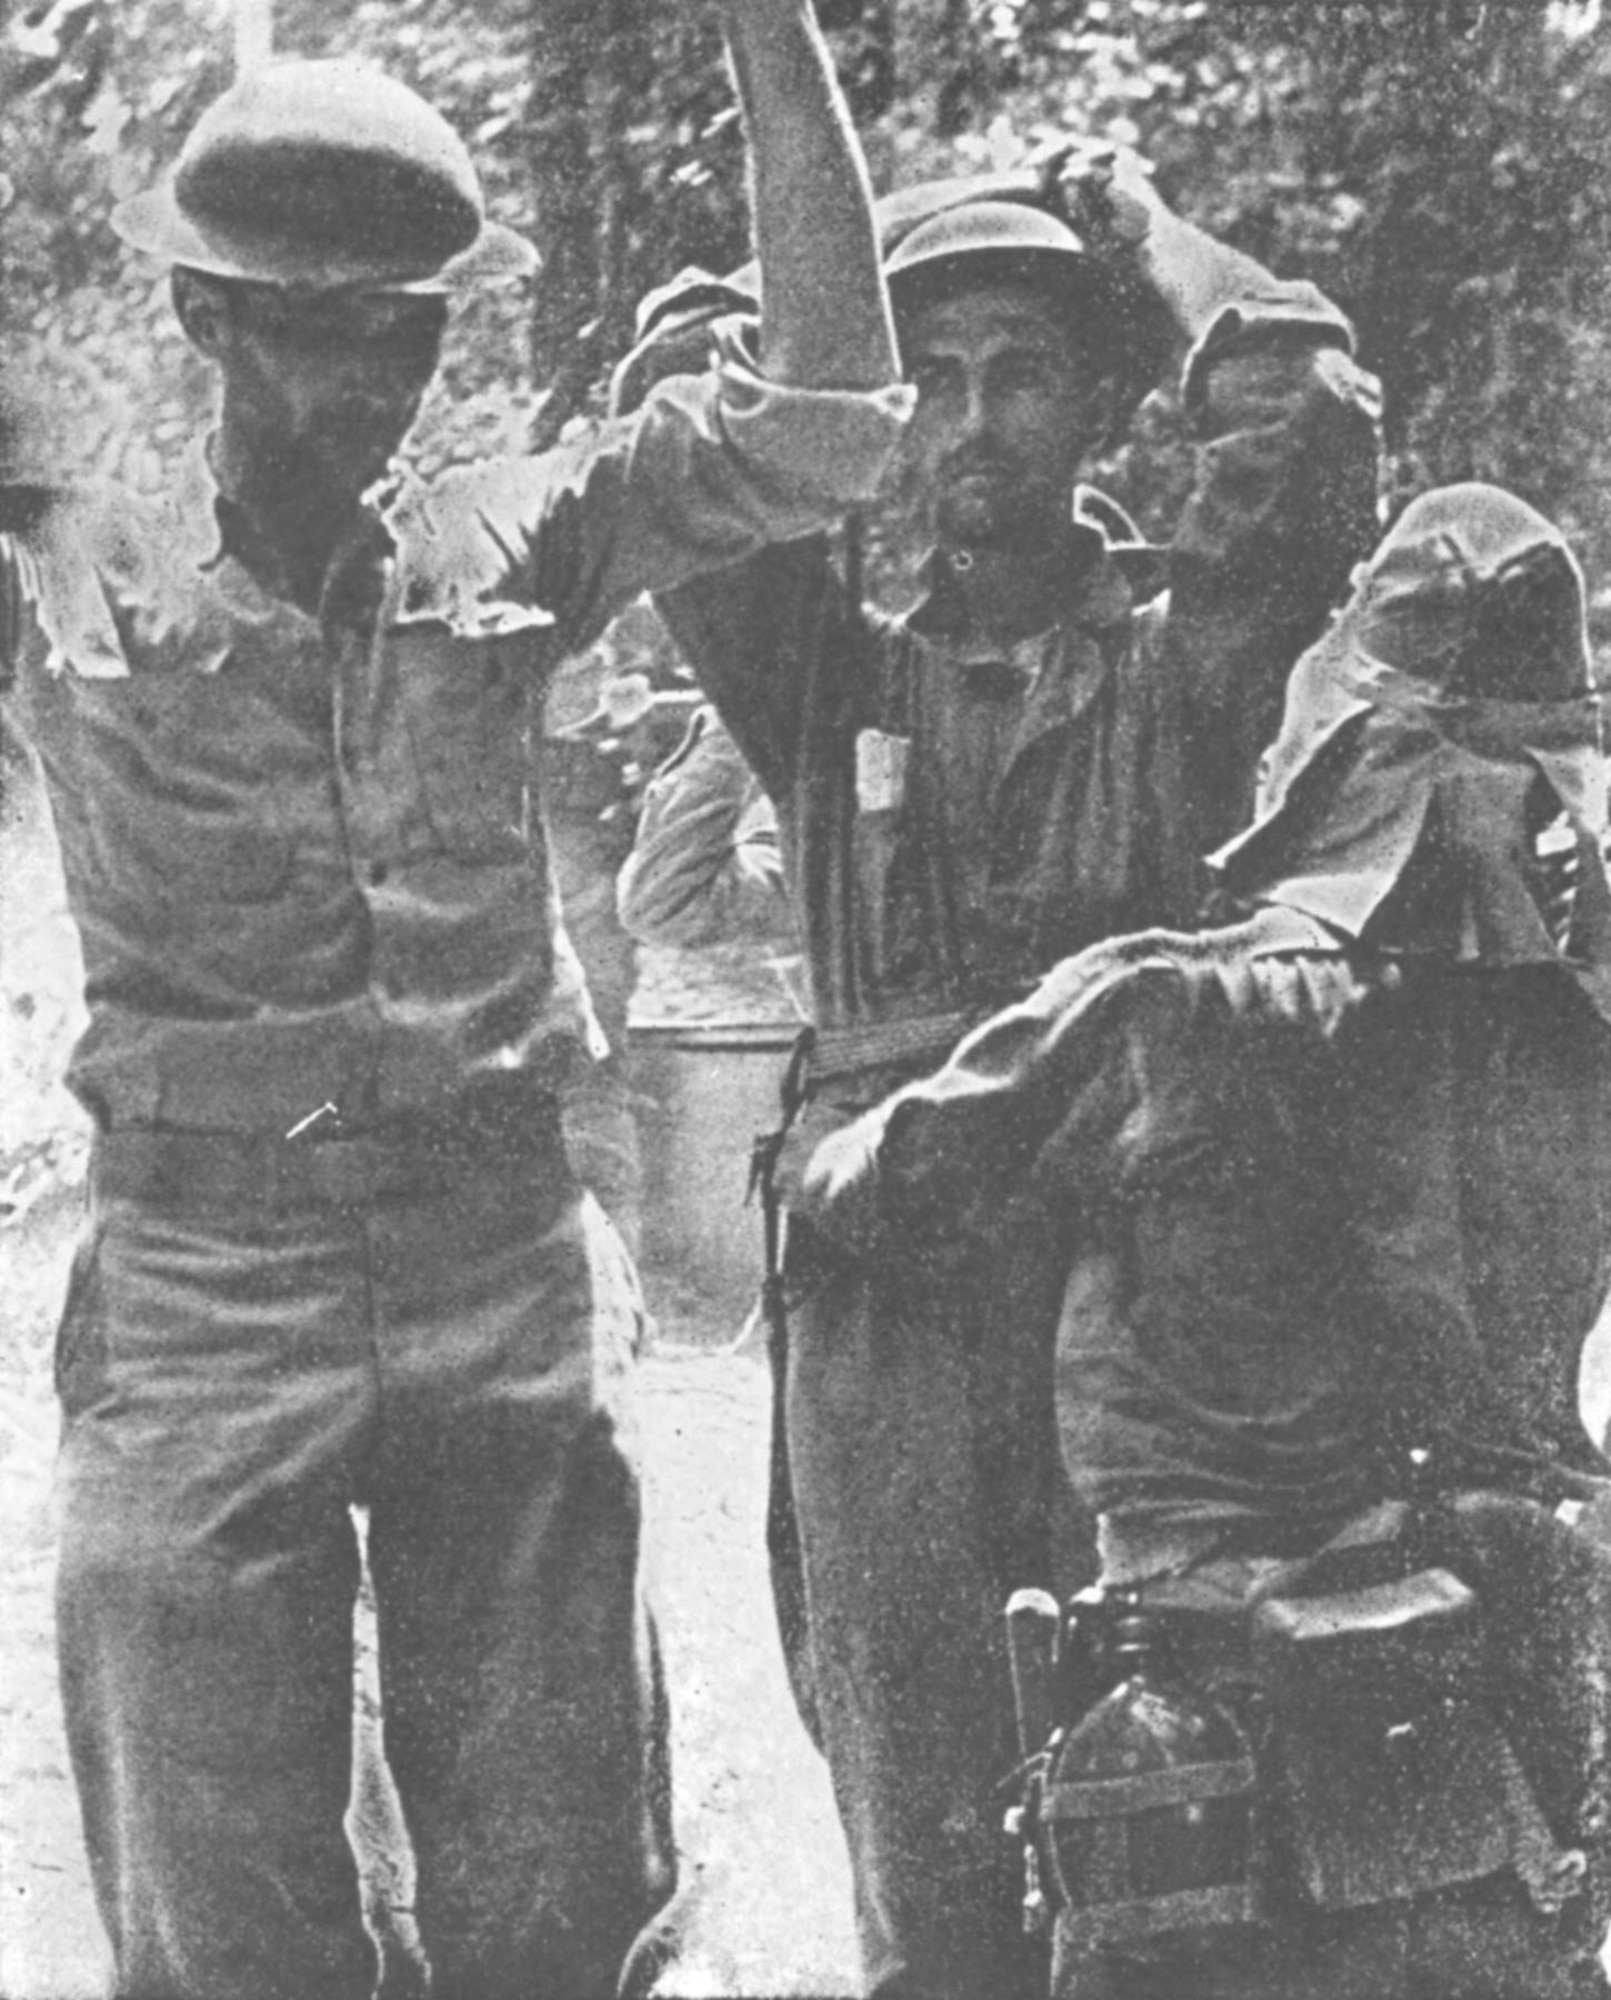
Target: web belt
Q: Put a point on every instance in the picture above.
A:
(839, 1052)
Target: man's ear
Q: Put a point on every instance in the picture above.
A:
(203, 309)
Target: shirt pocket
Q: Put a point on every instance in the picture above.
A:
(175, 804)
(468, 705)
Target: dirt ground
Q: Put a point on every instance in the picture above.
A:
(765, 1907)
(766, 1903)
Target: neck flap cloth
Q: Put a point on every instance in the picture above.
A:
(1439, 783)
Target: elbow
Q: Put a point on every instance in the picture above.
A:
(656, 918)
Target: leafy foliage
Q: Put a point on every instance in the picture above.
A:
(1443, 167)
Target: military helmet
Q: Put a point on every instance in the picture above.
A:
(995, 241)
(936, 236)
(324, 174)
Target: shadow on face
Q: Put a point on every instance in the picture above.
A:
(1011, 402)
(327, 382)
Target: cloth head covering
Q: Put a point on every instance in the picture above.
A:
(321, 175)
(1439, 781)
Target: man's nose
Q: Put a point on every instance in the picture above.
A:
(974, 411)
(374, 378)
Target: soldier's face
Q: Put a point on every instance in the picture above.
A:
(1007, 409)
(330, 381)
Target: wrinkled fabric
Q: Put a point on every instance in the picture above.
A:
(315, 895)
(1067, 790)
(304, 853)
(1318, 1204)
(1318, 1208)
(705, 868)
(230, 1385)
(1312, 1209)
(955, 817)
(915, 1499)
(1448, 716)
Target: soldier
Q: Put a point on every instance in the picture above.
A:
(335, 1252)
(1328, 1185)
(704, 870)
(1031, 759)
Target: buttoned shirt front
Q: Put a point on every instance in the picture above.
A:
(956, 815)
(302, 850)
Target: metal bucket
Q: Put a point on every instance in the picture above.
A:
(705, 1091)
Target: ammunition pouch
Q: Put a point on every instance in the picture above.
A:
(1332, 1747)
(1387, 1771)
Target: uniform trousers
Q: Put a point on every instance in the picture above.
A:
(234, 1376)
(915, 1486)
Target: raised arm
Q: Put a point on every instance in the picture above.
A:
(1282, 507)
(1111, 200)
(729, 453)
(825, 320)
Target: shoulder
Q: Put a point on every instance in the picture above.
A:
(102, 519)
(71, 557)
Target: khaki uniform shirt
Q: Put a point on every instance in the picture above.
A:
(302, 851)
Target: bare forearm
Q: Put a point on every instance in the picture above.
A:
(824, 316)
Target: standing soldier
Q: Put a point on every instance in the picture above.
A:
(1330, 1188)
(335, 1252)
(1032, 759)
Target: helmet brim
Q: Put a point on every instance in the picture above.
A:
(154, 223)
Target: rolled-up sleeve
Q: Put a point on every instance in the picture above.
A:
(708, 470)
(1040, 1089)
(718, 465)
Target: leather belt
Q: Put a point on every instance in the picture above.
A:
(514, 1127)
(925, 1039)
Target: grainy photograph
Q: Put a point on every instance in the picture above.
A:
(805, 1000)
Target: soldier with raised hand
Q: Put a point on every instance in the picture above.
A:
(1033, 758)
(335, 1252)
(1327, 1186)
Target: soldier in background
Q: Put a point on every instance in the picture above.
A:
(705, 868)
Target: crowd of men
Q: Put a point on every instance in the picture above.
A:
(1190, 1136)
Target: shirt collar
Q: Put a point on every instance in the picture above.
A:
(220, 539)
(1095, 582)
